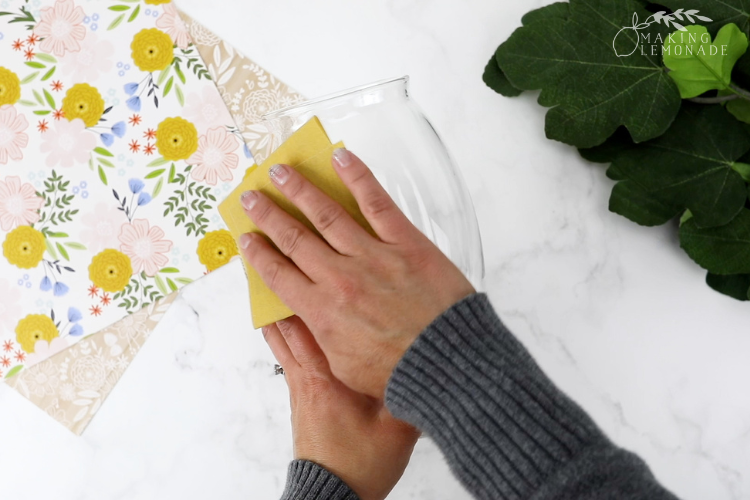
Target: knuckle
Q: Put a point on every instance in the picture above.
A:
(319, 364)
(382, 262)
(285, 328)
(272, 275)
(417, 257)
(378, 204)
(313, 381)
(363, 175)
(319, 323)
(327, 216)
(261, 212)
(375, 200)
(290, 239)
(295, 187)
(316, 368)
(346, 289)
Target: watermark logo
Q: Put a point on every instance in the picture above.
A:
(661, 17)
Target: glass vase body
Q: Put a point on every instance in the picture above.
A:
(383, 125)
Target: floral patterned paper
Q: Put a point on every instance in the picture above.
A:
(49, 384)
(115, 147)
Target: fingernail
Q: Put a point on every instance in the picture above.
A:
(249, 199)
(245, 241)
(342, 157)
(279, 174)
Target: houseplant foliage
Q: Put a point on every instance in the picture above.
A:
(661, 93)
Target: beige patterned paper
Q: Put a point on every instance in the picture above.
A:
(72, 385)
(248, 90)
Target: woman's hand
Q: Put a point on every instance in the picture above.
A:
(350, 434)
(365, 299)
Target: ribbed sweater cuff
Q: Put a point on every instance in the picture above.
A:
(309, 481)
(473, 388)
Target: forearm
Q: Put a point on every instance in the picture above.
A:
(505, 429)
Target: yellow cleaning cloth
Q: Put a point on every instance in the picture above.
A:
(309, 152)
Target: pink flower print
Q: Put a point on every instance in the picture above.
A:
(206, 110)
(19, 203)
(44, 350)
(69, 143)
(172, 24)
(93, 60)
(10, 307)
(144, 246)
(61, 28)
(215, 158)
(12, 138)
(101, 227)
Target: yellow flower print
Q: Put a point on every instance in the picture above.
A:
(85, 102)
(24, 247)
(156, 2)
(10, 87)
(110, 270)
(216, 248)
(35, 327)
(176, 139)
(152, 49)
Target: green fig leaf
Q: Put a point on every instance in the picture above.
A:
(720, 12)
(736, 286)
(743, 169)
(697, 65)
(494, 76)
(495, 79)
(691, 166)
(720, 250)
(591, 90)
(558, 10)
(607, 151)
(740, 109)
(630, 201)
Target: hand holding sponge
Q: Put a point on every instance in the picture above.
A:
(308, 151)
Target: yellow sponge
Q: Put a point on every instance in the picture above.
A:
(309, 152)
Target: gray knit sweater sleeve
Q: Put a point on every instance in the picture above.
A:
(309, 481)
(506, 430)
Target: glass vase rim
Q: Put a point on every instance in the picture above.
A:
(334, 96)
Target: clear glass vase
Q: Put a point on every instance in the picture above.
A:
(386, 129)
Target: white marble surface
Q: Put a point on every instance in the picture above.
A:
(616, 314)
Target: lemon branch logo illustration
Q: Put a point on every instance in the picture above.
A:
(661, 17)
